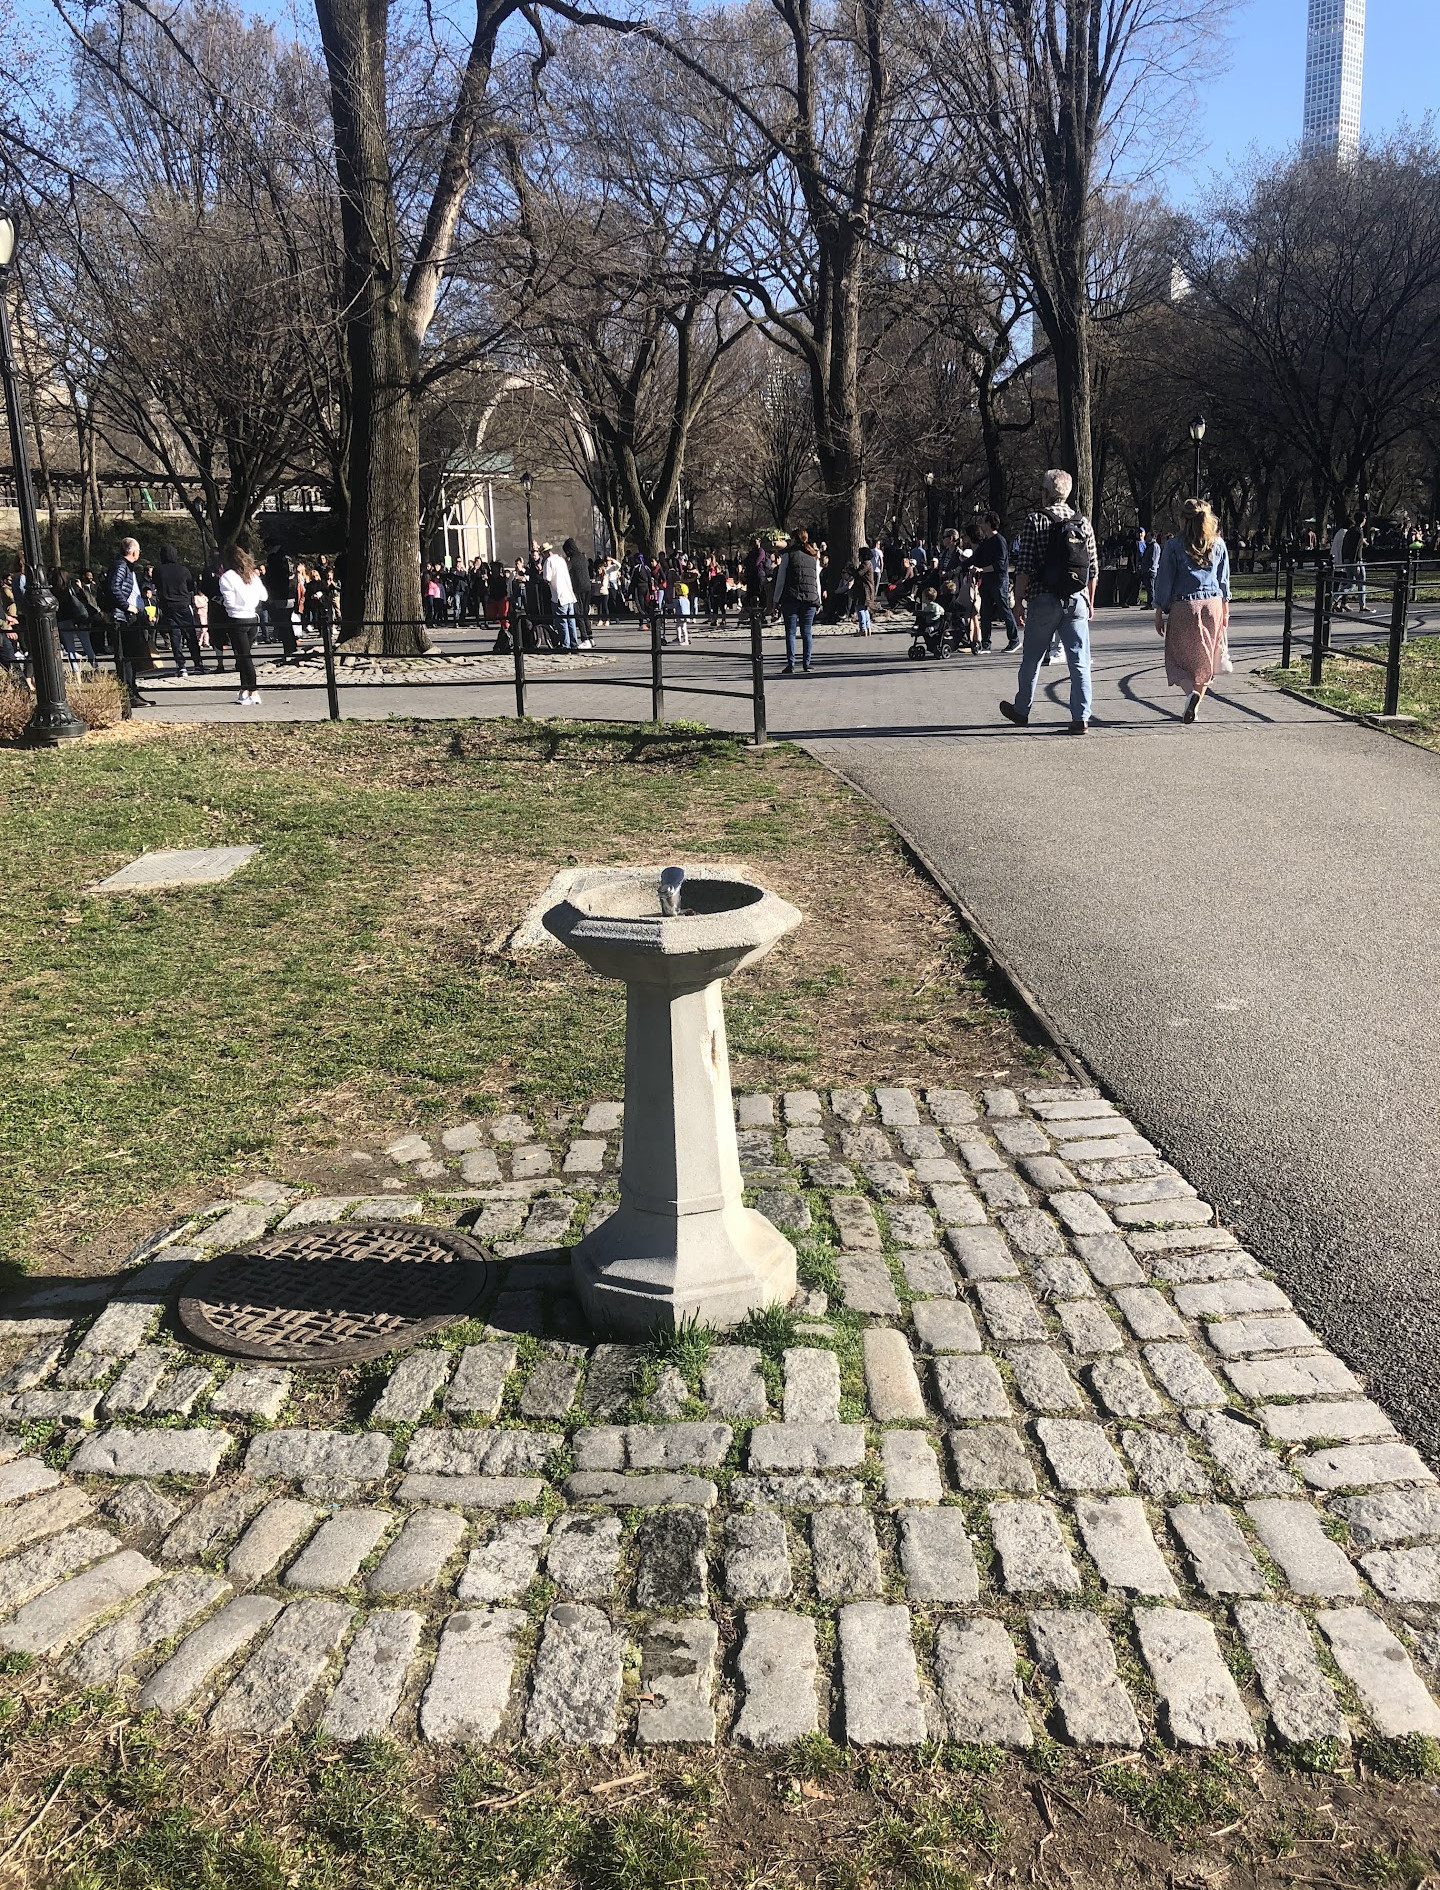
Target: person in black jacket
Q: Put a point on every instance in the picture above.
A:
(279, 611)
(175, 607)
(992, 564)
(132, 637)
(797, 592)
(74, 621)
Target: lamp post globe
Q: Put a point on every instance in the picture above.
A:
(527, 486)
(53, 721)
(1197, 435)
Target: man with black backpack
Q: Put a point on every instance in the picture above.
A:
(1055, 573)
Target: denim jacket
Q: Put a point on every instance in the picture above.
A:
(1179, 581)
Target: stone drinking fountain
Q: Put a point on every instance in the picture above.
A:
(682, 1245)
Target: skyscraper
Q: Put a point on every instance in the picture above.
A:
(1334, 66)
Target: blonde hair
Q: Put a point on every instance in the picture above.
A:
(1199, 528)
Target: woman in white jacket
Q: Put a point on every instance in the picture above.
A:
(242, 592)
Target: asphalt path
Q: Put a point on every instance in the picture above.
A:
(1235, 926)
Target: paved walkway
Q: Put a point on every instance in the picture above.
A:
(1235, 926)
(1035, 1392)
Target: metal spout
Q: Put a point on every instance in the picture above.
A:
(671, 881)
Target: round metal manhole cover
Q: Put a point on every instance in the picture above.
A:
(332, 1295)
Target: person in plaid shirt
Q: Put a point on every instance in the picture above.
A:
(1055, 572)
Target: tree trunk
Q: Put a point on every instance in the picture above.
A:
(42, 456)
(82, 429)
(380, 598)
(92, 477)
(844, 522)
(47, 487)
(996, 483)
(1070, 344)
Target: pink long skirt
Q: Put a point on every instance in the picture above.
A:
(1196, 649)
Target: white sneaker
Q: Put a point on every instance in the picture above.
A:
(255, 699)
(242, 701)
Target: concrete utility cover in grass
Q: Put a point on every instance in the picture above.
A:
(184, 866)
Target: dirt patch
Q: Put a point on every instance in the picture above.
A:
(97, 1802)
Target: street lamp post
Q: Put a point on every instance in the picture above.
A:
(527, 483)
(930, 512)
(1197, 434)
(54, 721)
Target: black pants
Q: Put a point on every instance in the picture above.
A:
(237, 635)
(993, 604)
(185, 636)
(127, 644)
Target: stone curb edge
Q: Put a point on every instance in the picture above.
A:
(1372, 722)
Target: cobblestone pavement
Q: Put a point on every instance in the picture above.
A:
(1039, 1449)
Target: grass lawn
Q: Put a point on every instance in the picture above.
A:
(1358, 687)
(344, 984)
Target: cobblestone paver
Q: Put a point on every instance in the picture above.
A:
(1038, 1448)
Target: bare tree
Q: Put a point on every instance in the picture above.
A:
(1049, 93)
(166, 213)
(800, 101)
(1324, 284)
(784, 426)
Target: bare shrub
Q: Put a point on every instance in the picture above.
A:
(97, 698)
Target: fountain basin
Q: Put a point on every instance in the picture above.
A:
(682, 1245)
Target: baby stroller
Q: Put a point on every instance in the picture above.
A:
(933, 635)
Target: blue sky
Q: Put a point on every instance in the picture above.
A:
(1251, 96)
(1255, 99)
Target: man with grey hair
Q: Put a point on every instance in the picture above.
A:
(130, 635)
(1055, 573)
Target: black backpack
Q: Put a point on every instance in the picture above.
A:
(1066, 569)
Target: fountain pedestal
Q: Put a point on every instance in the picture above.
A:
(682, 1245)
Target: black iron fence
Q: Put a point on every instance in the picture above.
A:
(1407, 584)
(525, 680)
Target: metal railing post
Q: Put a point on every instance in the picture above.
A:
(657, 669)
(332, 693)
(517, 650)
(1399, 610)
(757, 678)
(1289, 611)
(1320, 635)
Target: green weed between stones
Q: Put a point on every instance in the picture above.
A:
(1413, 1755)
(1175, 1801)
(815, 1757)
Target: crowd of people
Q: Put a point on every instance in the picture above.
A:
(130, 614)
(956, 592)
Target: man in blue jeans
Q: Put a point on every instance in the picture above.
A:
(1055, 574)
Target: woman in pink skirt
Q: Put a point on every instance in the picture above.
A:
(1192, 604)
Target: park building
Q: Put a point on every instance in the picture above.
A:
(1334, 69)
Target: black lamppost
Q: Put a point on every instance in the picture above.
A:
(930, 513)
(54, 721)
(527, 483)
(1197, 434)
